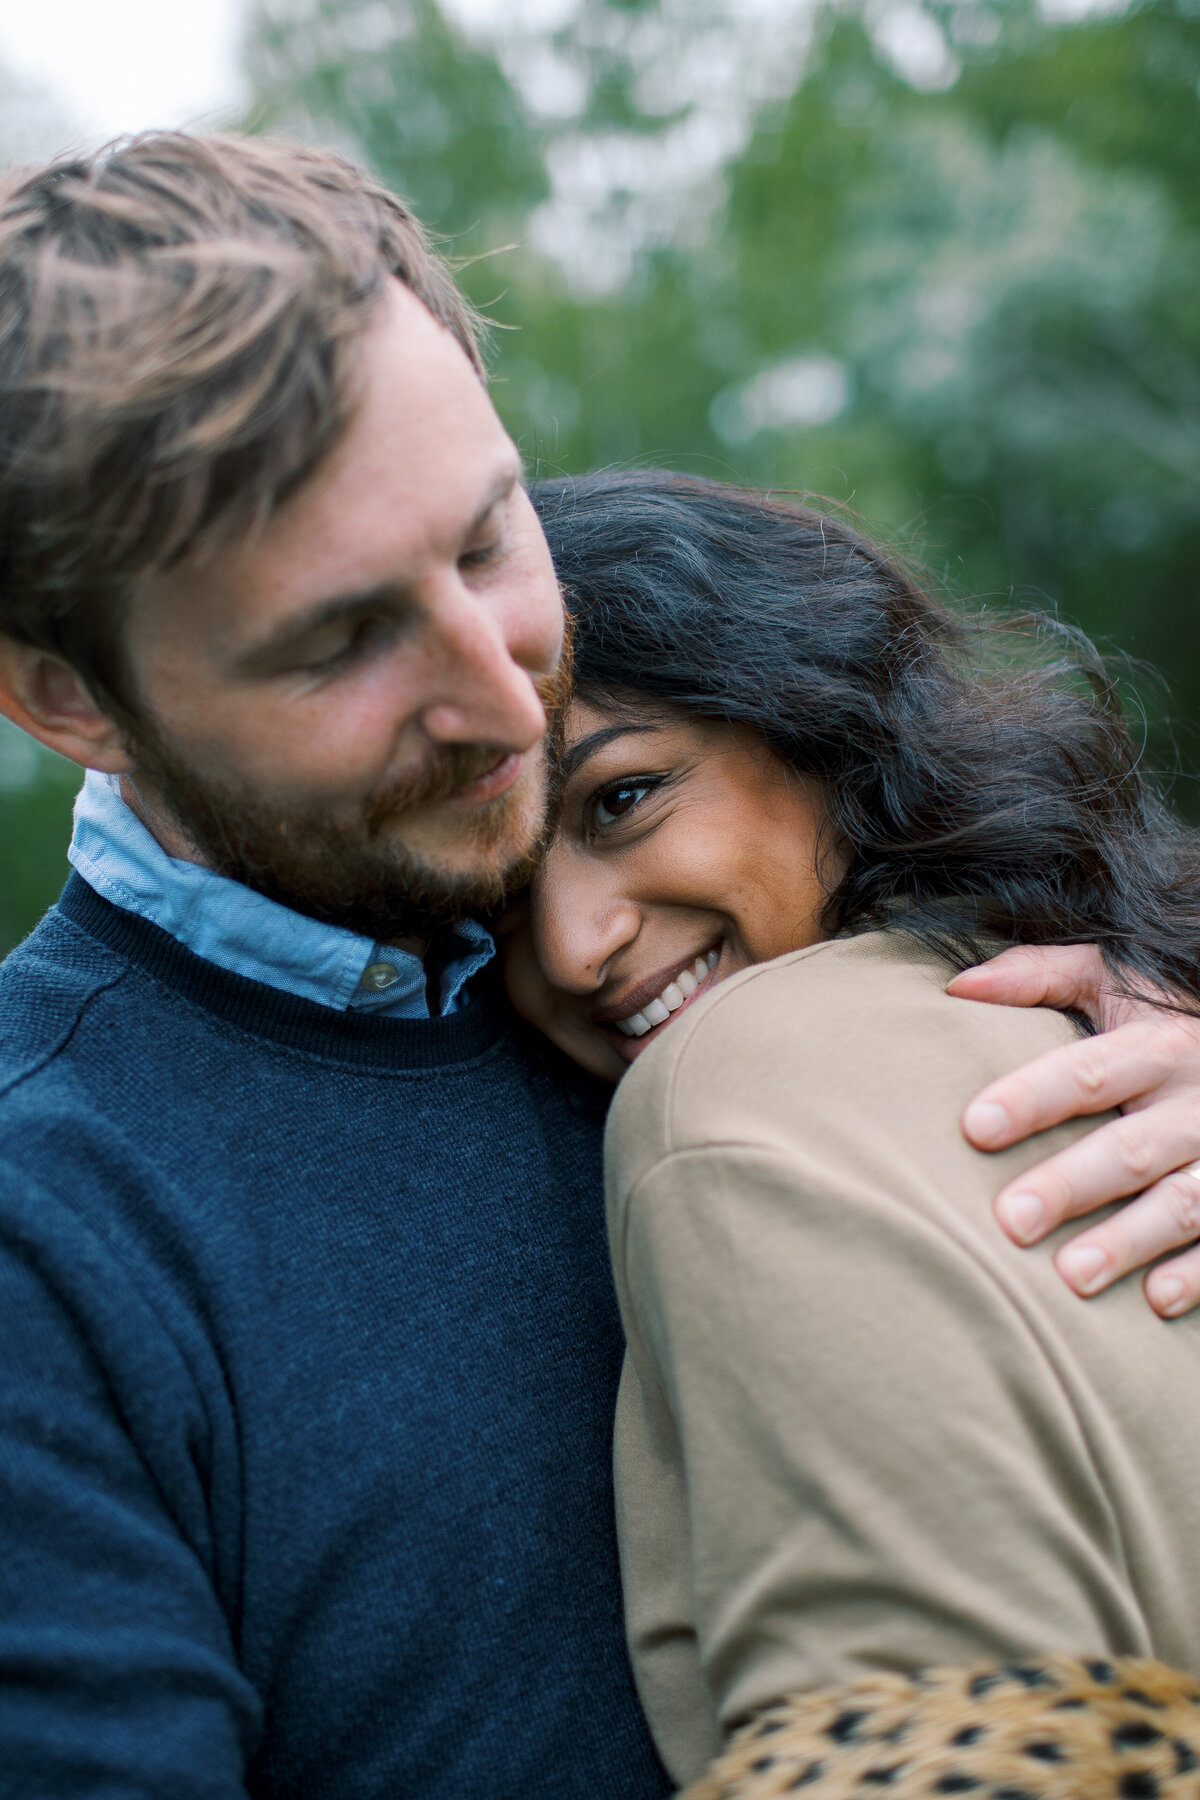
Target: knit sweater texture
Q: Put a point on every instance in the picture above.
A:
(309, 1361)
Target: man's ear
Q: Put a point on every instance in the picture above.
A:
(45, 697)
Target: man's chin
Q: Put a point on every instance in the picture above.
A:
(446, 884)
(422, 874)
(497, 845)
(392, 894)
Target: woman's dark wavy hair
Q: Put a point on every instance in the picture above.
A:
(978, 774)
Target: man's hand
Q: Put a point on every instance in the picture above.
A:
(1146, 1061)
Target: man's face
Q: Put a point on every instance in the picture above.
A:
(348, 713)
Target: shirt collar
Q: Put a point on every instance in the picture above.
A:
(245, 932)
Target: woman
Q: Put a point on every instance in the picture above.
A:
(857, 1431)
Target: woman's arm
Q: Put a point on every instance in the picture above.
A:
(880, 1469)
(1146, 1060)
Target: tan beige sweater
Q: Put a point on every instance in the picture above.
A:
(857, 1428)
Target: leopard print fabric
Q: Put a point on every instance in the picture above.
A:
(1056, 1728)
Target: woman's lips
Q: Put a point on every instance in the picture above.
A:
(670, 997)
(632, 1033)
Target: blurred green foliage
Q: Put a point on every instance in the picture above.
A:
(36, 794)
(961, 296)
(940, 263)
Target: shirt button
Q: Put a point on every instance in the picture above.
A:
(377, 976)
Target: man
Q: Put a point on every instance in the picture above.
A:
(311, 1348)
(302, 1436)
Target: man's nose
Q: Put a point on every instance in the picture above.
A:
(482, 693)
(580, 920)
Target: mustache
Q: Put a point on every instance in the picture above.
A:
(455, 766)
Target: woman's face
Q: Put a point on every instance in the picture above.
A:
(686, 851)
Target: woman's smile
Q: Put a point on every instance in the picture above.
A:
(685, 852)
(681, 987)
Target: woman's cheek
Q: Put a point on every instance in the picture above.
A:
(553, 1013)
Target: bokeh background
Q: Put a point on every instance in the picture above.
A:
(939, 262)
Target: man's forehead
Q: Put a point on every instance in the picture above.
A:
(421, 449)
(422, 461)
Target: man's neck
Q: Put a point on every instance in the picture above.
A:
(150, 811)
(146, 807)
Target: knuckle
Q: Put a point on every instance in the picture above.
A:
(1135, 1146)
(1183, 1200)
(1091, 1066)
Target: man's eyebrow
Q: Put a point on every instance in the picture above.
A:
(574, 758)
(388, 594)
(500, 489)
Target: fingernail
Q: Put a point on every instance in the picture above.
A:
(1169, 1293)
(986, 1122)
(1024, 1215)
(1086, 1268)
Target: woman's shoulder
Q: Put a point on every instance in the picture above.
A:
(854, 1037)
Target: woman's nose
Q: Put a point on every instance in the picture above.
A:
(580, 919)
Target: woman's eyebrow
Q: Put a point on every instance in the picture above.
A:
(574, 758)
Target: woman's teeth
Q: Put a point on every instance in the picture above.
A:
(671, 998)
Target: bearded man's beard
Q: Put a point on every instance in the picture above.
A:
(363, 877)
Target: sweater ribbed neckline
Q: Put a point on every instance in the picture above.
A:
(270, 1014)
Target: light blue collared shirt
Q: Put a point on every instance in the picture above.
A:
(244, 932)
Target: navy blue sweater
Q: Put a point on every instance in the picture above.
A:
(308, 1365)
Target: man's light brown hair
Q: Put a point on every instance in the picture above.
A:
(178, 317)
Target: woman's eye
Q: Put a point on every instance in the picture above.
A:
(616, 803)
